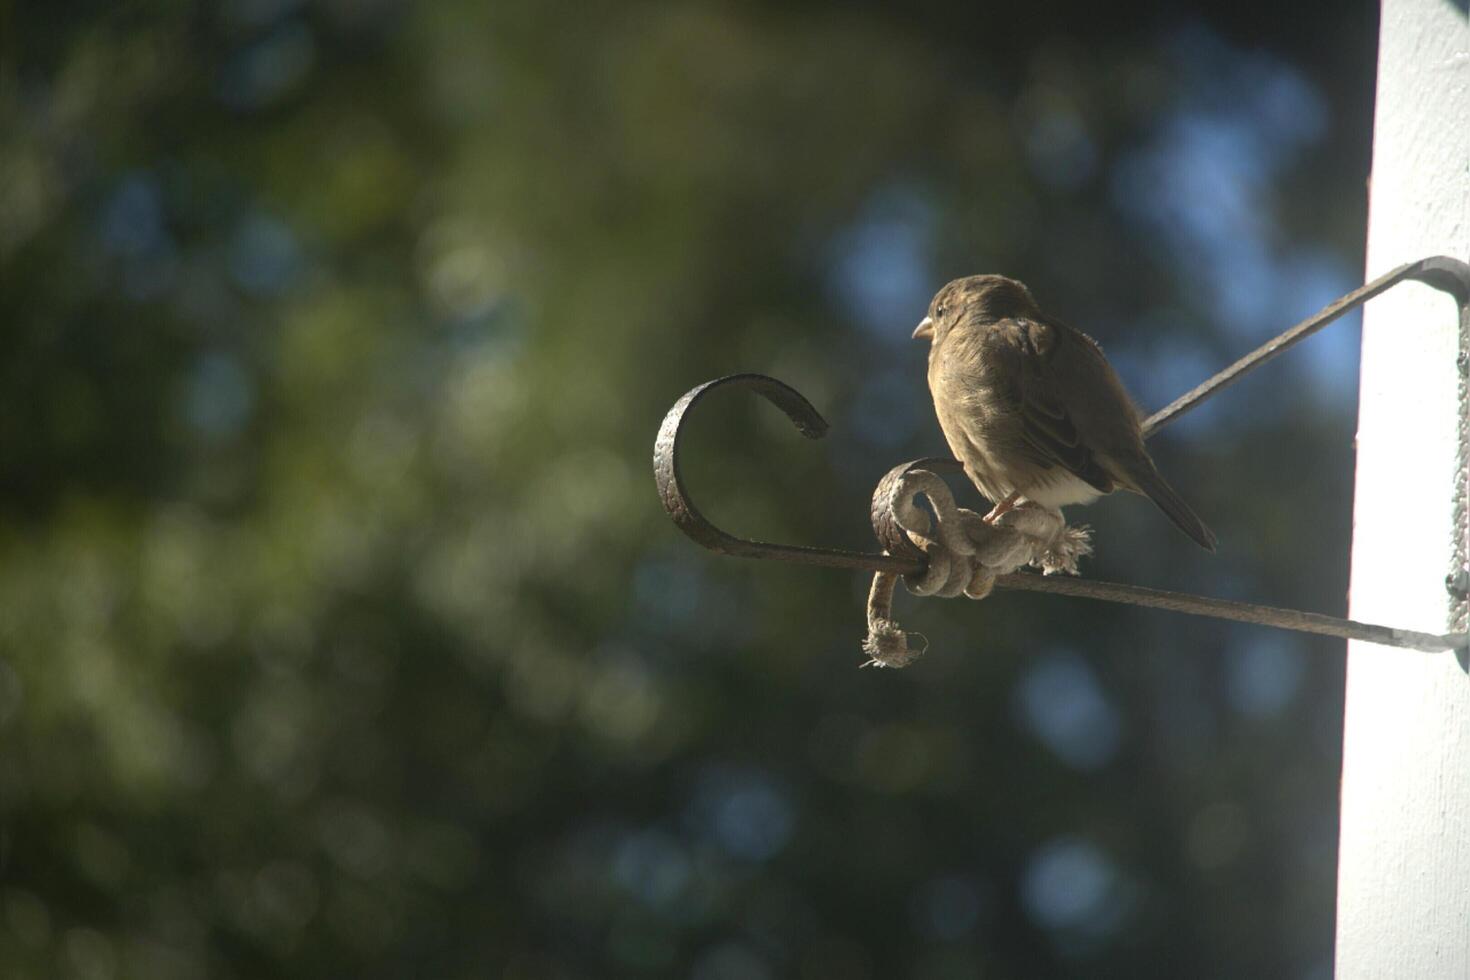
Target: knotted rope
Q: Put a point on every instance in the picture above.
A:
(963, 552)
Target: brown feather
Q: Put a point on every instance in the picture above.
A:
(1031, 406)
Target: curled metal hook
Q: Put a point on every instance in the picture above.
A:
(680, 506)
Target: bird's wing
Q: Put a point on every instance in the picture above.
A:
(1049, 430)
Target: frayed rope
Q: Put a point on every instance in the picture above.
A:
(964, 555)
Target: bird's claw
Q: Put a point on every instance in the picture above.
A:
(1001, 509)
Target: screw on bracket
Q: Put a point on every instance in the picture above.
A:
(1457, 584)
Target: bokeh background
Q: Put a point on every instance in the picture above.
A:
(341, 633)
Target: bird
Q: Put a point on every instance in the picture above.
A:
(1033, 409)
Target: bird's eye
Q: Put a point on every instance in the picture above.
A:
(939, 313)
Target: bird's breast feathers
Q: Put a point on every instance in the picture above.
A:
(975, 377)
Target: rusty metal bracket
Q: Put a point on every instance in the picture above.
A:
(901, 558)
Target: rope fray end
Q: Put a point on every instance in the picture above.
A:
(1069, 547)
(886, 644)
(889, 646)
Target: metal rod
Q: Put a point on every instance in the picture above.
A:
(1439, 271)
(1240, 612)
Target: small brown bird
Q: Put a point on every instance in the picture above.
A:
(1032, 408)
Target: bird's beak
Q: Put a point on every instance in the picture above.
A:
(925, 329)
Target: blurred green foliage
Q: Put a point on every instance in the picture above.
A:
(341, 633)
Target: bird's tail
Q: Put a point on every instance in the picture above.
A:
(1153, 486)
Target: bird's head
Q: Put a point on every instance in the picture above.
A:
(975, 300)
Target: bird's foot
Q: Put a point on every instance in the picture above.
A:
(1001, 508)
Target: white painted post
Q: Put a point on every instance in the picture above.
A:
(1403, 902)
